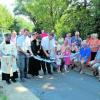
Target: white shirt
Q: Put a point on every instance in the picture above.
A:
(47, 44)
(23, 42)
(27, 43)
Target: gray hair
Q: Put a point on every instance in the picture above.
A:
(95, 35)
(77, 33)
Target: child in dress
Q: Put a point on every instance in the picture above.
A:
(67, 58)
(58, 60)
(74, 51)
(74, 48)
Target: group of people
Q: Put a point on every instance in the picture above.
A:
(30, 53)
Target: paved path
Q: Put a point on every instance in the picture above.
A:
(68, 86)
(17, 91)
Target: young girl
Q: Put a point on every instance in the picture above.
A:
(67, 59)
(74, 48)
(74, 51)
(58, 60)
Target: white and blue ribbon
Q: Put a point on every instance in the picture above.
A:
(53, 60)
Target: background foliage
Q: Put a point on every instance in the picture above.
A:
(6, 19)
(61, 15)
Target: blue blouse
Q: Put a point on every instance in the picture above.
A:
(85, 53)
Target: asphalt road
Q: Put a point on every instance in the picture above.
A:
(68, 86)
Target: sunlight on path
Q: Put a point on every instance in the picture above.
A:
(18, 92)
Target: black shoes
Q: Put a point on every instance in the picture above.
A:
(95, 73)
(13, 80)
(8, 82)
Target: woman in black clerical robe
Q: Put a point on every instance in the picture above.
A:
(34, 64)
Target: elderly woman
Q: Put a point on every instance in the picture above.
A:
(77, 39)
(84, 56)
(99, 71)
(13, 37)
(8, 60)
(94, 43)
(96, 62)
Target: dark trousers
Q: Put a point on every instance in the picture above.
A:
(62, 65)
(34, 66)
(54, 65)
(93, 54)
(46, 67)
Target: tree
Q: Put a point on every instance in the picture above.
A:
(77, 18)
(96, 15)
(44, 13)
(6, 18)
(20, 23)
(62, 15)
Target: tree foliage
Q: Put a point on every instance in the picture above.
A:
(6, 19)
(20, 23)
(62, 15)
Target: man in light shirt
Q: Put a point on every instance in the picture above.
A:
(22, 54)
(48, 45)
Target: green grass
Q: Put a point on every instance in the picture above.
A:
(3, 97)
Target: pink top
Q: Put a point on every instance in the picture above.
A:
(63, 48)
(67, 59)
(43, 35)
(94, 45)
